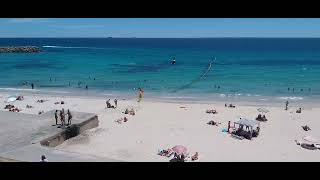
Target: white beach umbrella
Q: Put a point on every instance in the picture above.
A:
(11, 99)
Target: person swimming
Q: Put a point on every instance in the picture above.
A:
(173, 61)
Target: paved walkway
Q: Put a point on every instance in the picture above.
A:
(20, 136)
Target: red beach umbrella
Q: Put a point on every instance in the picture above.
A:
(179, 149)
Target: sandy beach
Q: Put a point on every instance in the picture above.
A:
(161, 125)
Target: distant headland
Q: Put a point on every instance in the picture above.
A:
(20, 49)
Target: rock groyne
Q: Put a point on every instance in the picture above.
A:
(20, 49)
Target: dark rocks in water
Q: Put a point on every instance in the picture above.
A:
(20, 49)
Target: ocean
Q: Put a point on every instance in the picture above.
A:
(260, 68)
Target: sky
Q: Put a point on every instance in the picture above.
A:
(160, 27)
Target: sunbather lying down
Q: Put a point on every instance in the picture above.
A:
(306, 128)
(41, 100)
(28, 106)
(125, 119)
(310, 146)
(131, 112)
(167, 153)
(213, 111)
(299, 110)
(213, 123)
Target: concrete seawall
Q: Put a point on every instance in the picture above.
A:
(70, 132)
(25, 137)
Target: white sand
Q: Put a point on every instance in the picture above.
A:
(161, 125)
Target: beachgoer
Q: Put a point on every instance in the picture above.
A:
(264, 118)
(131, 112)
(259, 117)
(225, 105)
(62, 117)
(195, 156)
(287, 103)
(116, 102)
(299, 110)
(301, 89)
(288, 89)
(108, 103)
(69, 117)
(32, 85)
(125, 119)
(141, 92)
(43, 159)
(28, 106)
(126, 111)
(94, 79)
(173, 61)
(306, 128)
(86, 86)
(56, 116)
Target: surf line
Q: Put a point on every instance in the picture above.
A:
(195, 80)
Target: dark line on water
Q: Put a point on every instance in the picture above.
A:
(194, 80)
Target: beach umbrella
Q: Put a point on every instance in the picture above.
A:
(263, 110)
(179, 149)
(11, 99)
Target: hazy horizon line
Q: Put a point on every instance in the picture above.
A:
(110, 37)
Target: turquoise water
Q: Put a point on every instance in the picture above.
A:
(244, 67)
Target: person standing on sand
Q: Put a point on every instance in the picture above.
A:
(141, 92)
(116, 102)
(56, 116)
(108, 103)
(287, 103)
(62, 116)
(69, 117)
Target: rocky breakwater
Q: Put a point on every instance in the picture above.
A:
(20, 49)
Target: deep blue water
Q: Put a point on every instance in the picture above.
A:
(243, 66)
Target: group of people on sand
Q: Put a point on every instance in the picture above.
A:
(130, 112)
(12, 108)
(261, 118)
(111, 106)
(213, 111)
(178, 157)
(125, 119)
(230, 105)
(62, 116)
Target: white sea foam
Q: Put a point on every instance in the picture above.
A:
(291, 98)
(178, 97)
(222, 95)
(72, 47)
(17, 89)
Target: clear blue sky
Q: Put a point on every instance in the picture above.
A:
(159, 27)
